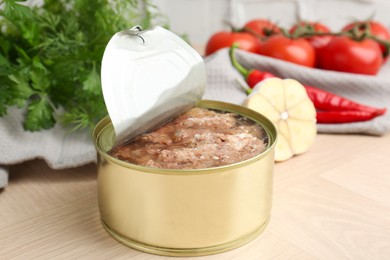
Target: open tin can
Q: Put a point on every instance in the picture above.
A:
(174, 212)
(189, 212)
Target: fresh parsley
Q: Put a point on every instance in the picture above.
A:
(50, 56)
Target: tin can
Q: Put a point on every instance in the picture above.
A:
(189, 212)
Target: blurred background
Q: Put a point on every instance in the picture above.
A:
(199, 19)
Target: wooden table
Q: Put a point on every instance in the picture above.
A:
(332, 202)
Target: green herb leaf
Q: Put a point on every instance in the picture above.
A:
(5, 94)
(14, 9)
(92, 84)
(39, 115)
(20, 90)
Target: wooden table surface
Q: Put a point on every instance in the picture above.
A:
(332, 202)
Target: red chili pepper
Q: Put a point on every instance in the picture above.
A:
(331, 108)
(324, 100)
(335, 117)
(253, 76)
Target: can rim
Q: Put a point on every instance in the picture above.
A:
(260, 119)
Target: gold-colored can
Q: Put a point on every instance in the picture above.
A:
(188, 212)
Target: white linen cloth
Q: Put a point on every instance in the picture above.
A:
(63, 149)
(59, 147)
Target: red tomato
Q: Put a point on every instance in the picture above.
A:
(374, 27)
(318, 42)
(347, 55)
(262, 27)
(297, 50)
(219, 40)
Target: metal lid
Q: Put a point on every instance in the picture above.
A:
(148, 77)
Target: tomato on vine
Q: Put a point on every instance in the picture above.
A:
(350, 55)
(224, 39)
(262, 27)
(373, 28)
(316, 33)
(295, 50)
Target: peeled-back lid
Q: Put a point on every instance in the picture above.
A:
(149, 77)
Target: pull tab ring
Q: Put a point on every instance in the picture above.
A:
(134, 31)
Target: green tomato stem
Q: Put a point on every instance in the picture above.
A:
(383, 42)
(254, 33)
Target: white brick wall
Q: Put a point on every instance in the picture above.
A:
(200, 18)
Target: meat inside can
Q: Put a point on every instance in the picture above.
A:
(199, 138)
